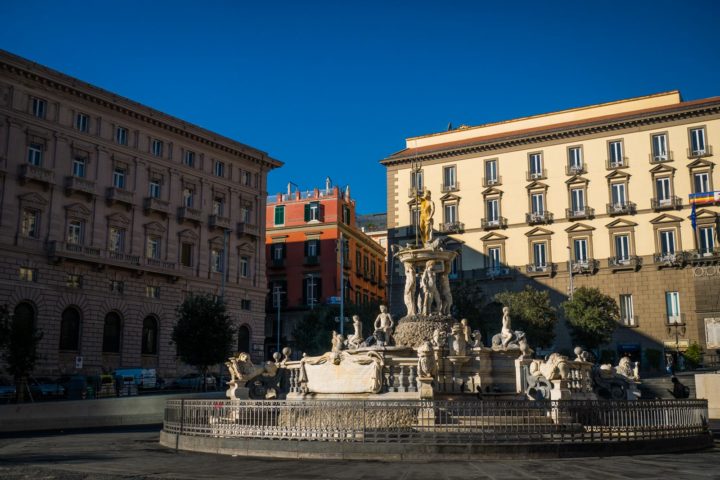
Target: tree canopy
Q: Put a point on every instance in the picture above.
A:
(19, 340)
(531, 312)
(592, 317)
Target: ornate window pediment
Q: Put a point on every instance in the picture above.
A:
(621, 223)
(579, 227)
(217, 242)
(78, 210)
(494, 237)
(665, 218)
(118, 219)
(33, 199)
(154, 228)
(539, 232)
(537, 186)
(705, 215)
(618, 175)
(492, 191)
(700, 163)
(188, 235)
(577, 180)
(662, 168)
(449, 197)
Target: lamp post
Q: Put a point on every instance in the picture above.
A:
(277, 293)
(342, 284)
(570, 271)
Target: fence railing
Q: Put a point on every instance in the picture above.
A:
(440, 422)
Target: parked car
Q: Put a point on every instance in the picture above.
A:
(144, 377)
(76, 387)
(194, 381)
(7, 390)
(43, 388)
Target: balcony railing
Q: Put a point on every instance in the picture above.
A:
(575, 169)
(220, 222)
(79, 185)
(706, 255)
(538, 218)
(677, 259)
(699, 153)
(451, 227)
(532, 176)
(451, 188)
(500, 222)
(611, 164)
(414, 192)
(677, 319)
(656, 158)
(118, 195)
(152, 204)
(491, 182)
(586, 212)
(159, 264)
(626, 208)
(123, 258)
(36, 174)
(537, 270)
(589, 265)
(189, 214)
(666, 203)
(247, 229)
(73, 250)
(631, 262)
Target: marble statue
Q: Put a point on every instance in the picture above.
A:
(431, 295)
(439, 338)
(384, 323)
(556, 367)
(477, 339)
(627, 368)
(409, 294)
(507, 338)
(583, 355)
(427, 210)
(356, 339)
(242, 371)
(426, 360)
(457, 340)
(506, 332)
(466, 330)
(447, 300)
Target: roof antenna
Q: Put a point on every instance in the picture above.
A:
(449, 126)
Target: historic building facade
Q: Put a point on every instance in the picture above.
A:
(597, 196)
(304, 232)
(111, 213)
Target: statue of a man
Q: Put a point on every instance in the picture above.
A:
(384, 322)
(427, 210)
(445, 289)
(410, 289)
(430, 292)
(356, 338)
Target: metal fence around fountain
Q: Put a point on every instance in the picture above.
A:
(440, 422)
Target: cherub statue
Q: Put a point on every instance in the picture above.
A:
(384, 322)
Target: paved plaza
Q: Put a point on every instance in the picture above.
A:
(137, 455)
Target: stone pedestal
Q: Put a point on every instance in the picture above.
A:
(412, 331)
(425, 388)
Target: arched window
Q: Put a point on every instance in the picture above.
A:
(24, 312)
(149, 336)
(112, 332)
(244, 339)
(70, 329)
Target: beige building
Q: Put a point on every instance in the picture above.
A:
(112, 212)
(603, 191)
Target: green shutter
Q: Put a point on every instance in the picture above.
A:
(307, 212)
(279, 215)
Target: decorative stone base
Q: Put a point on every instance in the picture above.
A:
(411, 331)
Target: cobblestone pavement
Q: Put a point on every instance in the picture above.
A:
(138, 455)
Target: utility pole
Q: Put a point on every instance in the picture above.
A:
(277, 292)
(342, 284)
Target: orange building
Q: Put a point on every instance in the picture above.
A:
(303, 259)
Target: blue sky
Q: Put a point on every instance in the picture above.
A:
(330, 88)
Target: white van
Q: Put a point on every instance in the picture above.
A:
(144, 377)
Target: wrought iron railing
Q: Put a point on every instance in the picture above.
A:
(440, 422)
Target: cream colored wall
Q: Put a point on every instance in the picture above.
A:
(514, 204)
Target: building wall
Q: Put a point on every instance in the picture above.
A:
(61, 195)
(633, 122)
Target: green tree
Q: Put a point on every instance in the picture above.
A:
(19, 341)
(592, 317)
(468, 299)
(203, 334)
(531, 312)
(694, 355)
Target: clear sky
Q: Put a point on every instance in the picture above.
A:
(330, 88)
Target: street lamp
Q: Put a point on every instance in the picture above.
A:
(277, 293)
(570, 271)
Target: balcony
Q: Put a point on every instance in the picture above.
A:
(277, 263)
(32, 173)
(707, 255)
(667, 260)
(59, 250)
(123, 258)
(532, 176)
(538, 218)
(373, 279)
(611, 164)
(451, 188)
(586, 212)
(451, 227)
(79, 185)
(541, 270)
(632, 262)
(626, 208)
(189, 214)
(247, 229)
(118, 195)
(629, 321)
(575, 169)
(656, 158)
(491, 182)
(677, 320)
(312, 260)
(158, 265)
(219, 222)
(500, 222)
(588, 266)
(413, 192)
(699, 153)
(671, 203)
(152, 204)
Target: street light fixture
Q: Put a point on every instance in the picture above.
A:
(570, 271)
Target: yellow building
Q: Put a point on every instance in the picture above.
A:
(603, 192)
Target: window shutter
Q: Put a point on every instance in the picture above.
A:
(283, 249)
(306, 244)
(317, 247)
(321, 212)
(307, 212)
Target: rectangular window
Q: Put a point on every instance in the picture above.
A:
(312, 212)
(218, 207)
(662, 189)
(75, 232)
(244, 304)
(536, 165)
(311, 289)
(449, 177)
(82, 122)
(697, 141)
(580, 247)
(493, 211)
(278, 252)
(79, 167)
(577, 198)
(627, 314)
(30, 223)
(121, 136)
(494, 257)
(312, 248)
(117, 286)
(416, 179)
(245, 213)
(672, 307)
(117, 239)
(35, 154)
(188, 197)
(701, 182)
(244, 267)
(622, 248)
(616, 153)
(153, 247)
(156, 147)
(538, 203)
(346, 214)
(28, 274)
(39, 107)
(618, 194)
(152, 291)
(219, 169)
(279, 215)
(247, 179)
(450, 213)
(667, 242)
(186, 254)
(216, 259)
(659, 147)
(539, 255)
(119, 178)
(491, 173)
(575, 159)
(154, 188)
(73, 280)
(189, 158)
(706, 240)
